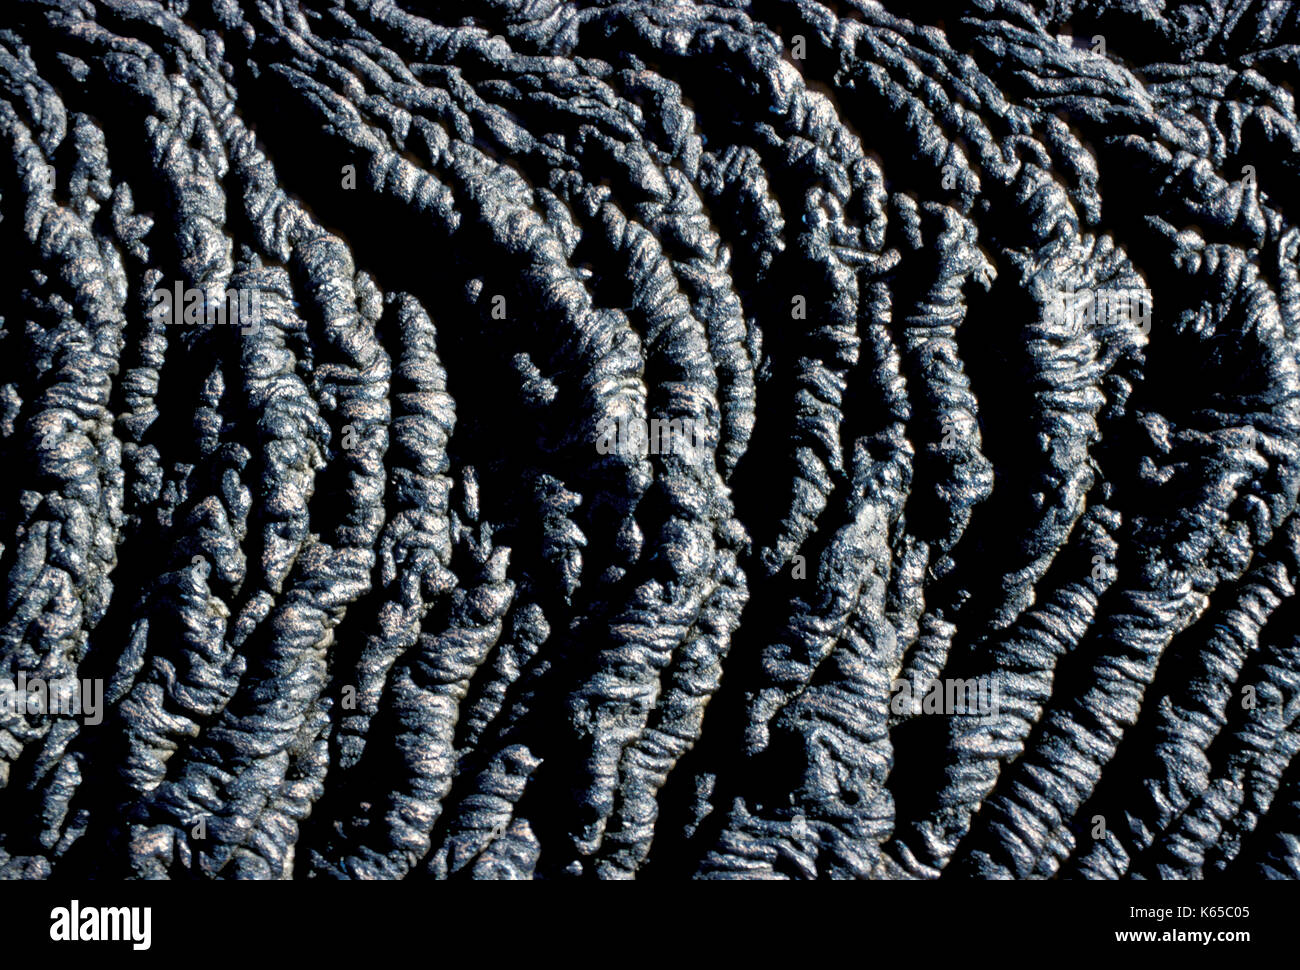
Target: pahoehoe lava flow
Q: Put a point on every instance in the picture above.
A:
(775, 439)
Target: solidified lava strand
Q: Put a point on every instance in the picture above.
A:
(984, 315)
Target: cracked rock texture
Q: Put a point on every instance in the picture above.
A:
(986, 314)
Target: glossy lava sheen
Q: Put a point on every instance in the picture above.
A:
(366, 598)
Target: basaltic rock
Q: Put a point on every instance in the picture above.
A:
(954, 533)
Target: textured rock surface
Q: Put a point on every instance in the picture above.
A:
(368, 600)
